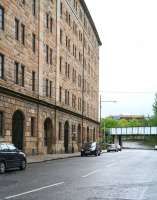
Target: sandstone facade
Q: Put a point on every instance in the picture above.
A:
(49, 75)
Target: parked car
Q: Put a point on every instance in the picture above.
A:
(91, 148)
(11, 158)
(119, 147)
(155, 147)
(112, 147)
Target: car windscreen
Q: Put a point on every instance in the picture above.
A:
(87, 144)
(3, 147)
(11, 147)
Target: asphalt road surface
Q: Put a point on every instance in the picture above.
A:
(126, 175)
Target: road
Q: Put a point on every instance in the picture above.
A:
(126, 175)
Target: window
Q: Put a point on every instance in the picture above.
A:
(66, 41)
(50, 56)
(47, 20)
(73, 101)
(73, 132)
(33, 42)
(34, 7)
(51, 24)
(61, 36)
(60, 66)
(1, 124)
(33, 81)
(32, 126)
(1, 66)
(47, 85)
(23, 34)
(66, 16)
(50, 88)
(1, 18)
(66, 97)
(60, 131)
(16, 29)
(22, 75)
(16, 72)
(68, 71)
(47, 53)
(23, 1)
(61, 9)
(60, 94)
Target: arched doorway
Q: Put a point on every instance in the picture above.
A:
(48, 135)
(18, 129)
(79, 134)
(66, 136)
(88, 139)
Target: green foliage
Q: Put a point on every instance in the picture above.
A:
(155, 106)
(122, 123)
(108, 122)
(134, 123)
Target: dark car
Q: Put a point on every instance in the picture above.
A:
(11, 158)
(91, 148)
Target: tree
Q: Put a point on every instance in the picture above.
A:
(153, 120)
(108, 122)
(122, 123)
(155, 106)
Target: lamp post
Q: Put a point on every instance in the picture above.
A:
(102, 101)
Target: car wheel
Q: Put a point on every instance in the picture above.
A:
(23, 165)
(2, 167)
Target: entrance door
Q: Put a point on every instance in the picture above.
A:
(66, 136)
(48, 135)
(88, 138)
(17, 129)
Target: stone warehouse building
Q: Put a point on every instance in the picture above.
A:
(49, 75)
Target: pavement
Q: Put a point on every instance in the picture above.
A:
(49, 157)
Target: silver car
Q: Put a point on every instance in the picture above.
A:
(112, 147)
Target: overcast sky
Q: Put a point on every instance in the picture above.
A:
(128, 56)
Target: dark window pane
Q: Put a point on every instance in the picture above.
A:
(34, 7)
(16, 29)
(23, 34)
(22, 75)
(33, 81)
(47, 87)
(1, 123)
(16, 73)
(33, 42)
(1, 18)
(32, 126)
(1, 66)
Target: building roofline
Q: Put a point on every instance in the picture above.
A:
(91, 20)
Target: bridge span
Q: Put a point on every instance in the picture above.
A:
(133, 131)
(118, 133)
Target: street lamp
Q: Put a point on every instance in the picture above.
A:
(102, 101)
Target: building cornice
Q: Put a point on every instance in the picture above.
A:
(91, 20)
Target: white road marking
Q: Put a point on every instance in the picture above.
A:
(90, 173)
(35, 190)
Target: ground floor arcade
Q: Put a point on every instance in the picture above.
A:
(39, 129)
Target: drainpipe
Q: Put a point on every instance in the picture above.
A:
(38, 76)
